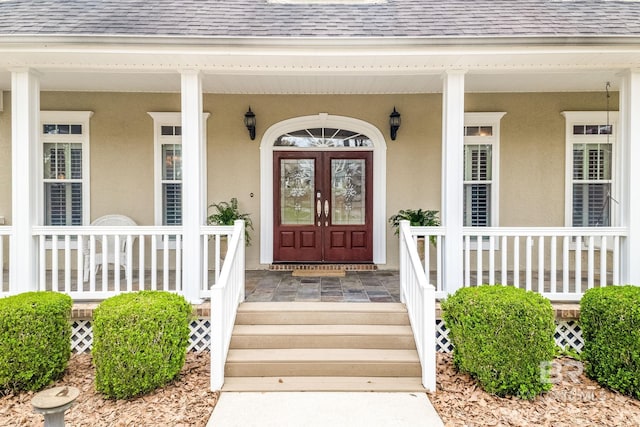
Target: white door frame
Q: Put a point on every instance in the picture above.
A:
(379, 177)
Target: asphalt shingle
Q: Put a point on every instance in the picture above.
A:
(259, 18)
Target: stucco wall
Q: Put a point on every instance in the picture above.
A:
(531, 154)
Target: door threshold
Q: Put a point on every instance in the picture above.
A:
(322, 267)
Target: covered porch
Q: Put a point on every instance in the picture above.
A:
(530, 239)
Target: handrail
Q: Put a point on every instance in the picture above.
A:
(419, 297)
(226, 295)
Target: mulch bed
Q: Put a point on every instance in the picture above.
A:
(185, 402)
(574, 401)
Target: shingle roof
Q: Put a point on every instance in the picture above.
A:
(258, 18)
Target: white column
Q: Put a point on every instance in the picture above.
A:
(452, 177)
(25, 117)
(193, 183)
(629, 176)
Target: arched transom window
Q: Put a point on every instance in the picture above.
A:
(324, 138)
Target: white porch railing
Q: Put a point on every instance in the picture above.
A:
(94, 263)
(226, 295)
(419, 297)
(5, 247)
(561, 263)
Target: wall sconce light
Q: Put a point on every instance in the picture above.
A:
(394, 123)
(250, 123)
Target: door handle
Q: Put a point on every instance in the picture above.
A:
(326, 208)
(318, 208)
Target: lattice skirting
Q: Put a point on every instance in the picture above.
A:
(82, 336)
(568, 336)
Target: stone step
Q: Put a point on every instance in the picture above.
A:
(328, 384)
(323, 313)
(323, 336)
(322, 362)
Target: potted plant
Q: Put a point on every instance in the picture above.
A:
(416, 218)
(226, 213)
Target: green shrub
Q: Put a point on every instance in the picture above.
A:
(139, 342)
(610, 320)
(501, 335)
(35, 339)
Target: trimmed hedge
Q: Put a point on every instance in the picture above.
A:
(610, 321)
(500, 336)
(35, 339)
(139, 342)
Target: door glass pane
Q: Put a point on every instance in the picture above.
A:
(348, 191)
(297, 178)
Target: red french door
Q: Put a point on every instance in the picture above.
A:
(323, 206)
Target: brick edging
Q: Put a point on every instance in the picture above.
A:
(84, 311)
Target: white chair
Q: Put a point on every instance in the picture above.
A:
(111, 221)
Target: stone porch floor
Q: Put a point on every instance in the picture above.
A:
(355, 286)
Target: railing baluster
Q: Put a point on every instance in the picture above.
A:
(141, 258)
(80, 263)
(217, 253)
(427, 257)
(565, 265)
(92, 263)
(129, 267)
(467, 261)
(578, 266)
(590, 263)
(116, 263)
(54, 264)
(165, 264)
(205, 262)
(178, 261)
(439, 263)
(105, 262)
(492, 261)
(43, 264)
(603, 261)
(479, 267)
(154, 262)
(541, 264)
(516, 261)
(67, 263)
(616, 260)
(504, 249)
(528, 263)
(552, 265)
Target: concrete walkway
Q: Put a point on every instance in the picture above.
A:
(324, 409)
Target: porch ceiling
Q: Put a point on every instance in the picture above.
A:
(323, 69)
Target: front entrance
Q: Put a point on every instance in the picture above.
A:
(323, 206)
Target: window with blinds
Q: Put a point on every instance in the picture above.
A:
(591, 185)
(65, 145)
(172, 184)
(477, 184)
(590, 139)
(63, 184)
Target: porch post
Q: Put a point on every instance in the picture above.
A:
(25, 117)
(452, 177)
(193, 183)
(629, 158)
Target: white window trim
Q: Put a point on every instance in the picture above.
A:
(164, 119)
(72, 117)
(591, 118)
(488, 119)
